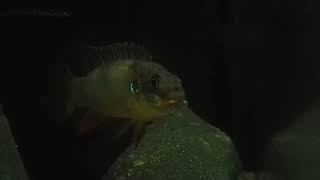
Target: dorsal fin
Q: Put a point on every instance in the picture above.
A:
(122, 51)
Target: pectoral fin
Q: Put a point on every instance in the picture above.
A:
(124, 128)
(137, 128)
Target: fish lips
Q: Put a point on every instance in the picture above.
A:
(174, 103)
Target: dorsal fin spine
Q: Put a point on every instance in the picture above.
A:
(123, 51)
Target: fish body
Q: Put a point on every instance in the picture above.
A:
(127, 85)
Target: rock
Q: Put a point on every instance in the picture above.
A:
(11, 167)
(257, 176)
(249, 175)
(294, 153)
(181, 146)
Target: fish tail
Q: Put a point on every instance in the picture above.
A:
(56, 98)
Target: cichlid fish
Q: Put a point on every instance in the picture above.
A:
(126, 85)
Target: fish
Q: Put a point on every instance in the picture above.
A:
(128, 84)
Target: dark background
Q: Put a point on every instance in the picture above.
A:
(248, 67)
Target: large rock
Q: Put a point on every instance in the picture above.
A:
(11, 167)
(181, 146)
(294, 153)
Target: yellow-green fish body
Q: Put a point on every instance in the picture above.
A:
(126, 85)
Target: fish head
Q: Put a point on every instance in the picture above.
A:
(157, 88)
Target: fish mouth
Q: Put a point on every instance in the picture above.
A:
(174, 103)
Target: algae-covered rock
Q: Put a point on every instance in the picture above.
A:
(294, 153)
(181, 146)
(11, 167)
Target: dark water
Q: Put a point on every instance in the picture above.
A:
(249, 68)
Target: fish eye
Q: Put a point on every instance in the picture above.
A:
(155, 81)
